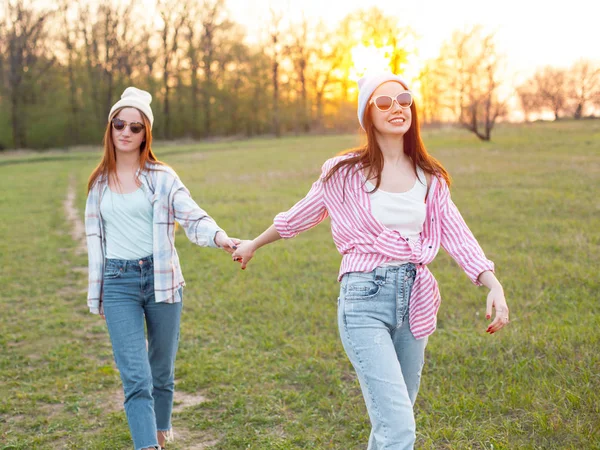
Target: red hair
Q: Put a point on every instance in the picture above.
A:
(108, 164)
(370, 156)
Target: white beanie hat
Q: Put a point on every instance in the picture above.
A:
(366, 87)
(135, 98)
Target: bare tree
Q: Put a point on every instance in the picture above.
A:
(112, 37)
(237, 69)
(326, 60)
(24, 33)
(432, 94)
(192, 36)
(173, 14)
(584, 86)
(550, 84)
(210, 24)
(92, 56)
(300, 50)
(274, 50)
(68, 37)
(215, 26)
(530, 102)
(344, 41)
(467, 73)
(212, 41)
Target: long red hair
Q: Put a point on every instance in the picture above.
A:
(108, 164)
(371, 157)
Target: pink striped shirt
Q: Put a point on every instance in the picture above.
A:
(365, 243)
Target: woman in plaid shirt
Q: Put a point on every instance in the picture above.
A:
(390, 209)
(134, 272)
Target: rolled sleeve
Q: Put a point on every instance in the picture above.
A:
(282, 226)
(475, 268)
(304, 215)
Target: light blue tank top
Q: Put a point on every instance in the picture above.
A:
(127, 220)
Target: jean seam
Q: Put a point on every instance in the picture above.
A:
(360, 362)
(406, 293)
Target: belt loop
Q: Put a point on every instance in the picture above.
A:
(412, 270)
(380, 274)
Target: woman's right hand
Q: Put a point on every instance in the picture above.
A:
(244, 253)
(225, 242)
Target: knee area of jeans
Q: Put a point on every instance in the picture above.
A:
(163, 375)
(163, 385)
(399, 432)
(138, 389)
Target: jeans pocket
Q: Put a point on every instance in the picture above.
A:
(359, 288)
(111, 273)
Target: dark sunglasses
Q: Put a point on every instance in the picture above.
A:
(120, 124)
(385, 102)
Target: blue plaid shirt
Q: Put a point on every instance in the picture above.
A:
(171, 201)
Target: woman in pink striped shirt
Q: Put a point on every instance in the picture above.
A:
(391, 210)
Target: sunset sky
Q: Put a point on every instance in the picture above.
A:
(531, 33)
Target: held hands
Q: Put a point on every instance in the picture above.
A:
(222, 240)
(225, 242)
(495, 299)
(244, 253)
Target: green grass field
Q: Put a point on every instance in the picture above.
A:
(261, 345)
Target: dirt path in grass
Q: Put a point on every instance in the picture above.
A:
(185, 439)
(76, 226)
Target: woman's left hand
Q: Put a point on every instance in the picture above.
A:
(495, 299)
(225, 242)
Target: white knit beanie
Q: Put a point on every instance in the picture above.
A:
(135, 98)
(366, 87)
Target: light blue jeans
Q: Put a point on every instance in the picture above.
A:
(373, 324)
(147, 375)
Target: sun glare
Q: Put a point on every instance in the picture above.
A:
(366, 59)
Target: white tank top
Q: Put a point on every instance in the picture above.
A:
(128, 224)
(403, 212)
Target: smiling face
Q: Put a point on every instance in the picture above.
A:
(397, 120)
(125, 140)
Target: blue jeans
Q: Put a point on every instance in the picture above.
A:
(373, 324)
(148, 375)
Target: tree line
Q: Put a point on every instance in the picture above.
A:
(565, 92)
(63, 66)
